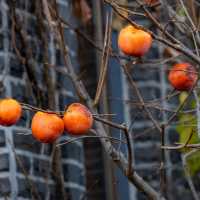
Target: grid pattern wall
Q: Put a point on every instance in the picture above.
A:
(25, 163)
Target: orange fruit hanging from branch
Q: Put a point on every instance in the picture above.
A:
(10, 111)
(46, 127)
(133, 41)
(77, 119)
(151, 2)
(183, 76)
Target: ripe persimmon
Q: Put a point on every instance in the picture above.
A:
(133, 41)
(77, 119)
(46, 127)
(10, 111)
(183, 76)
(150, 2)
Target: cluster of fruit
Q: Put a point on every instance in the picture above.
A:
(137, 42)
(47, 127)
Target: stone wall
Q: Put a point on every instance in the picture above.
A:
(24, 162)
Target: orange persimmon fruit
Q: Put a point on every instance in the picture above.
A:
(183, 76)
(150, 2)
(133, 41)
(46, 127)
(10, 111)
(77, 119)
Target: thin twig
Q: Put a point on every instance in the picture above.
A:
(187, 173)
(162, 170)
(105, 59)
(181, 146)
(88, 136)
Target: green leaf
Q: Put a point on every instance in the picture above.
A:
(193, 163)
(187, 125)
(181, 12)
(183, 96)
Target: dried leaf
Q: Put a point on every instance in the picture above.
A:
(82, 10)
(168, 52)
